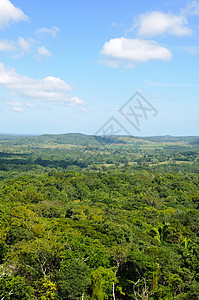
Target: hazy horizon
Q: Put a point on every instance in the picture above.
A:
(64, 133)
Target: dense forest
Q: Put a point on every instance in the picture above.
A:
(82, 218)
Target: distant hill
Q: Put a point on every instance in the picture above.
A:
(92, 140)
(170, 138)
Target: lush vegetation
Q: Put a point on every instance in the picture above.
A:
(86, 220)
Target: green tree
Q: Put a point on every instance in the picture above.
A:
(73, 280)
(14, 287)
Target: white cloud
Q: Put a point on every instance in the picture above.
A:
(192, 50)
(30, 105)
(72, 101)
(7, 46)
(192, 8)
(154, 96)
(49, 88)
(53, 31)
(8, 13)
(20, 46)
(18, 106)
(169, 98)
(23, 44)
(128, 51)
(156, 23)
(18, 109)
(84, 110)
(43, 51)
(14, 103)
(109, 62)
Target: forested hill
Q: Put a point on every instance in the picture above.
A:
(83, 139)
(86, 235)
(79, 220)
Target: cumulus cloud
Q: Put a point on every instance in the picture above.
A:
(9, 13)
(53, 31)
(49, 88)
(24, 45)
(43, 51)
(128, 51)
(156, 23)
(20, 46)
(7, 46)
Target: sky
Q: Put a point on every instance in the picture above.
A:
(99, 67)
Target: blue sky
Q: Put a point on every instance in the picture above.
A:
(69, 66)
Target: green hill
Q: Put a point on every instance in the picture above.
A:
(92, 140)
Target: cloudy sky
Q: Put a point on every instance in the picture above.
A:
(73, 66)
